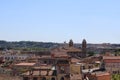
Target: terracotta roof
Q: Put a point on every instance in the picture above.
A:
(112, 61)
(111, 57)
(43, 67)
(59, 54)
(67, 49)
(100, 73)
(62, 51)
(25, 64)
(74, 60)
(73, 49)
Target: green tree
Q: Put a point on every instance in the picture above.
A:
(91, 53)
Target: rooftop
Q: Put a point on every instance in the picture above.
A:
(67, 49)
(25, 64)
(100, 73)
(43, 67)
(112, 60)
(111, 57)
(74, 60)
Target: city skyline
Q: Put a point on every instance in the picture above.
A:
(59, 21)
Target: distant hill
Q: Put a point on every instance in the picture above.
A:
(46, 45)
(26, 44)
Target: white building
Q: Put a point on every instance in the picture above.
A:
(15, 56)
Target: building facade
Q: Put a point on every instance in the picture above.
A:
(112, 64)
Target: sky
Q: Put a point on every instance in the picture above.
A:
(97, 21)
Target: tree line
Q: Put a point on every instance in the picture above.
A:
(25, 44)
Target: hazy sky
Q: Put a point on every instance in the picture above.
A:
(97, 21)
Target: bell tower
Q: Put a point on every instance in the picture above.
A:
(84, 46)
(71, 43)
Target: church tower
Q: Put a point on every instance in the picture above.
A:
(84, 46)
(71, 43)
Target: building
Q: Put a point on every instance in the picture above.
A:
(22, 67)
(98, 76)
(61, 64)
(75, 71)
(71, 50)
(13, 57)
(84, 47)
(43, 72)
(111, 64)
(54, 67)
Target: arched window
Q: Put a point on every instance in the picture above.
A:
(53, 79)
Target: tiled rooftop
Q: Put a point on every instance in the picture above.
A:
(100, 73)
(25, 64)
(111, 57)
